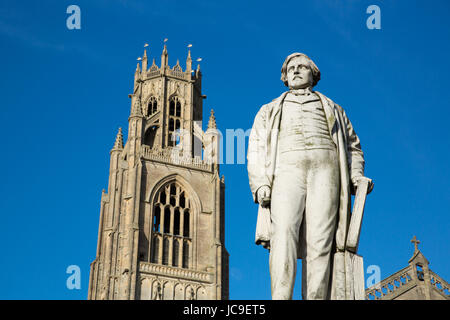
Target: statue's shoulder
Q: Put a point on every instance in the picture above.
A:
(321, 95)
(261, 111)
(268, 106)
(330, 101)
(278, 99)
(274, 102)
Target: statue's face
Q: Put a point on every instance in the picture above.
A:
(299, 74)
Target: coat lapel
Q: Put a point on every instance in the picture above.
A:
(273, 126)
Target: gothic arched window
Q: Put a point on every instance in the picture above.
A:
(174, 120)
(171, 228)
(152, 106)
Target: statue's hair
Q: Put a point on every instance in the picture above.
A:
(312, 65)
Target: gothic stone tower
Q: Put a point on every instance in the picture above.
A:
(162, 222)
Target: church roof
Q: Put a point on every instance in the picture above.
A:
(414, 282)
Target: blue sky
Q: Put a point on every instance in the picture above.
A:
(65, 93)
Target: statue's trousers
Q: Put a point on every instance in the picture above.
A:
(305, 194)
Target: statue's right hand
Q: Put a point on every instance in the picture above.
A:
(264, 196)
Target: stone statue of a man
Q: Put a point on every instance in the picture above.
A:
(304, 162)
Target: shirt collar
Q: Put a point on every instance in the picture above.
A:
(300, 92)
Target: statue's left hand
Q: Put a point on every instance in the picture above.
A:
(264, 193)
(359, 179)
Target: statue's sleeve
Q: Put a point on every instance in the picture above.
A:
(355, 155)
(256, 155)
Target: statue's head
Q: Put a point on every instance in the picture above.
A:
(299, 71)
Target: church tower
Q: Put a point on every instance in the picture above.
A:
(162, 222)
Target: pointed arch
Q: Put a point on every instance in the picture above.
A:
(177, 92)
(178, 291)
(195, 202)
(201, 293)
(156, 290)
(150, 106)
(189, 292)
(174, 208)
(150, 135)
(177, 102)
(168, 290)
(145, 291)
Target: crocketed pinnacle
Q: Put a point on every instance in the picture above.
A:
(118, 144)
(212, 121)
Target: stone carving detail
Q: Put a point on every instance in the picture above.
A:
(177, 67)
(164, 289)
(176, 73)
(151, 268)
(153, 71)
(440, 284)
(157, 295)
(401, 279)
(176, 156)
(145, 109)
